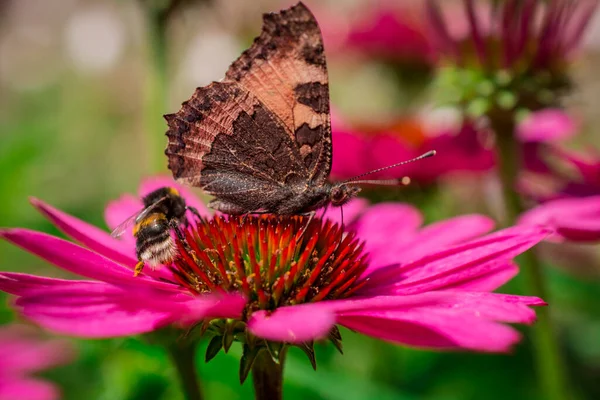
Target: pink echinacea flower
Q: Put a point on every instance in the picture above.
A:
(22, 354)
(274, 280)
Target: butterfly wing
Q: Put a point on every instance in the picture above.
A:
(286, 70)
(226, 141)
(264, 127)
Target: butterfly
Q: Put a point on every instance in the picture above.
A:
(259, 140)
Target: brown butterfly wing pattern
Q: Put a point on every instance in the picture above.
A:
(286, 69)
(263, 130)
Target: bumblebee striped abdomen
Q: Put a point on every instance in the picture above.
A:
(154, 244)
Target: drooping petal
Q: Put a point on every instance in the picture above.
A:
(436, 330)
(292, 324)
(88, 235)
(217, 305)
(498, 307)
(78, 260)
(492, 306)
(574, 219)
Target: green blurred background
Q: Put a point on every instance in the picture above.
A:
(75, 76)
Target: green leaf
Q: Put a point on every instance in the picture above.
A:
(248, 357)
(215, 345)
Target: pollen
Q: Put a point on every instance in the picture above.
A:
(273, 260)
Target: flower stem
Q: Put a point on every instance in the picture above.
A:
(157, 86)
(184, 357)
(548, 358)
(268, 377)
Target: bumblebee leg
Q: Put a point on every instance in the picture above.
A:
(138, 268)
(184, 242)
(194, 211)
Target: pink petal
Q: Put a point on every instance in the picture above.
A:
(120, 210)
(348, 153)
(99, 311)
(547, 125)
(27, 389)
(21, 284)
(436, 330)
(217, 305)
(26, 354)
(88, 235)
(292, 324)
(492, 306)
(351, 211)
(157, 182)
(574, 219)
(387, 222)
(489, 281)
(462, 263)
(438, 235)
(77, 260)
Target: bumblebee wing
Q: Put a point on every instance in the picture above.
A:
(137, 217)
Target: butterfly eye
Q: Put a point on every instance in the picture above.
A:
(338, 195)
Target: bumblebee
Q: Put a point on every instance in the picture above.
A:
(164, 210)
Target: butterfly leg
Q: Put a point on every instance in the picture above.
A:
(310, 215)
(227, 208)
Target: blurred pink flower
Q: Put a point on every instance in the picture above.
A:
(425, 287)
(21, 354)
(549, 124)
(570, 197)
(357, 152)
(391, 31)
(513, 33)
(572, 219)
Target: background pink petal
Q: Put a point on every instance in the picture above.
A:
(574, 219)
(27, 389)
(547, 125)
(349, 152)
(292, 324)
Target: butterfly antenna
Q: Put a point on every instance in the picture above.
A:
(385, 182)
(357, 179)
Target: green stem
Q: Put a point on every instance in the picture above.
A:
(184, 358)
(548, 358)
(268, 377)
(157, 87)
